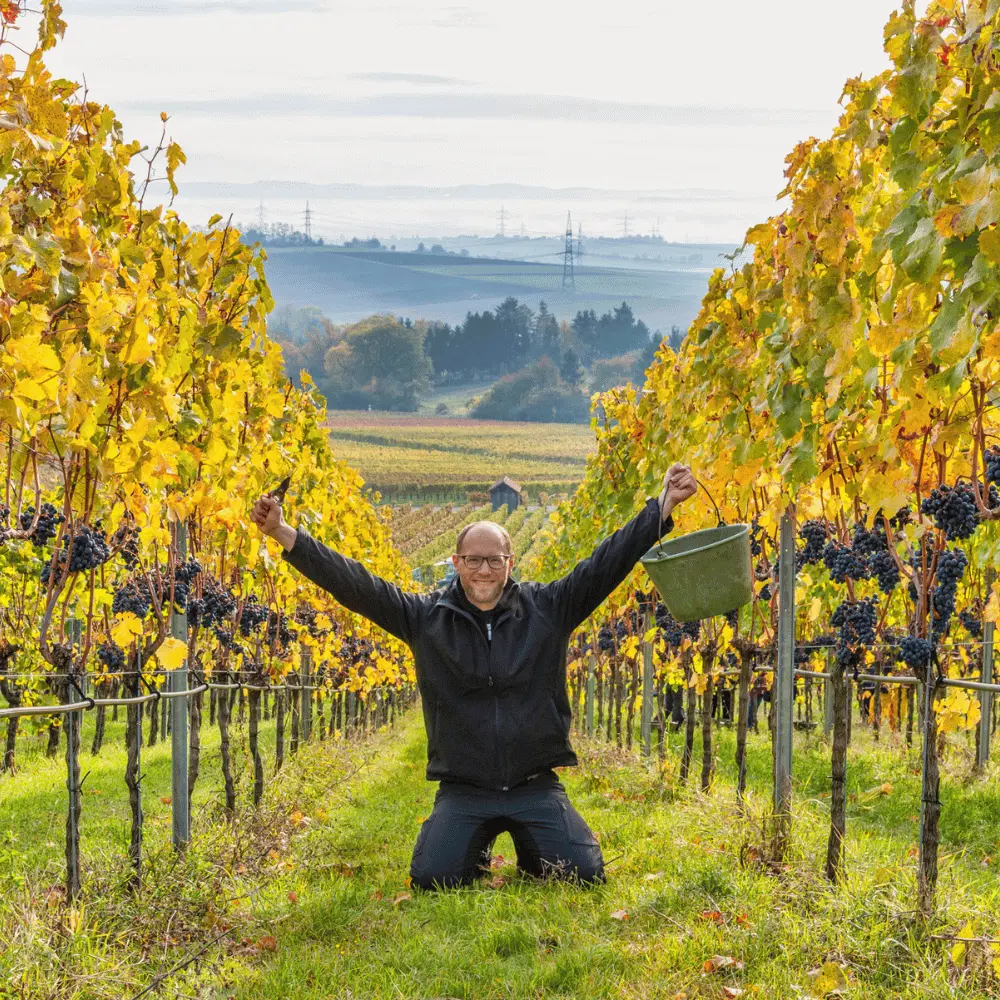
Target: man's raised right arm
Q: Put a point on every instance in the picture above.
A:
(360, 591)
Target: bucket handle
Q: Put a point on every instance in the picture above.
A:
(721, 524)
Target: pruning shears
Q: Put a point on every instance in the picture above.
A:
(278, 493)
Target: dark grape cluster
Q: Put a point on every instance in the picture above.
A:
(306, 617)
(605, 639)
(48, 520)
(814, 534)
(278, 629)
(953, 509)
(972, 622)
(671, 628)
(868, 542)
(254, 615)
(764, 594)
(184, 576)
(126, 538)
(732, 618)
(90, 549)
(950, 568)
(691, 629)
(993, 464)
(133, 595)
(755, 545)
(4, 513)
(216, 605)
(112, 656)
(855, 624)
(844, 562)
(226, 641)
(644, 602)
(914, 652)
(885, 569)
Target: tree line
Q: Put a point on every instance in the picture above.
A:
(545, 367)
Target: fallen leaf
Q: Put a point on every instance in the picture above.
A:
(293, 897)
(713, 915)
(830, 979)
(402, 898)
(496, 861)
(732, 991)
(166, 799)
(652, 876)
(497, 882)
(296, 818)
(619, 915)
(717, 962)
(268, 943)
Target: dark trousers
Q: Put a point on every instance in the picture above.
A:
(551, 838)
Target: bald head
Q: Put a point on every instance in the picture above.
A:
(484, 533)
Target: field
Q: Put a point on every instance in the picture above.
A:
(308, 899)
(426, 534)
(350, 284)
(414, 457)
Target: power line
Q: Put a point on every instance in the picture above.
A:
(308, 222)
(568, 254)
(503, 220)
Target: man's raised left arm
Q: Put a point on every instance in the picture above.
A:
(581, 591)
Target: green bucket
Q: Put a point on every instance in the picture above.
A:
(704, 573)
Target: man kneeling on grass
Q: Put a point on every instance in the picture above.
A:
(490, 658)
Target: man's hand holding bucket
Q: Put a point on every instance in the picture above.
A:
(679, 484)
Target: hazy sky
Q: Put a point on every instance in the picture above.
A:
(663, 95)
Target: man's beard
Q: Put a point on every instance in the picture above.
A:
(486, 591)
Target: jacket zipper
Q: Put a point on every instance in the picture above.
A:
(489, 674)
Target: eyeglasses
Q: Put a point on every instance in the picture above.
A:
(495, 562)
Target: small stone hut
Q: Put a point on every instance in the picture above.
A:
(505, 491)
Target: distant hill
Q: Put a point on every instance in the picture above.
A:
(349, 284)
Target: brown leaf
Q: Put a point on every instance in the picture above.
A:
(496, 861)
(497, 882)
(732, 991)
(402, 898)
(293, 897)
(717, 962)
(166, 799)
(619, 915)
(712, 915)
(268, 943)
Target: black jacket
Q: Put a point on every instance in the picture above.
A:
(495, 713)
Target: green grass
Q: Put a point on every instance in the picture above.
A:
(353, 928)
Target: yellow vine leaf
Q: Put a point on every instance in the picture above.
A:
(171, 653)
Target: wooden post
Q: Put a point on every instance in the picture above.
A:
(180, 803)
(784, 678)
(831, 663)
(986, 697)
(646, 718)
(304, 674)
